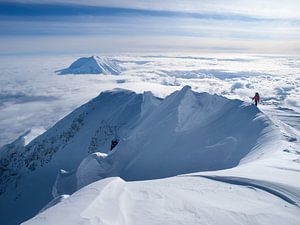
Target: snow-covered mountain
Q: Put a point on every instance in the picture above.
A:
(187, 132)
(29, 172)
(93, 65)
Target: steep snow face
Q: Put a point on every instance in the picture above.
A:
(185, 132)
(196, 109)
(28, 172)
(149, 103)
(93, 65)
(191, 132)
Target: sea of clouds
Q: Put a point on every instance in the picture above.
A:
(33, 96)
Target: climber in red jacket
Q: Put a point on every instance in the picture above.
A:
(256, 98)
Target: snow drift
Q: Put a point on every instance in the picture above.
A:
(93, 65)
(183, 133)
(177, 200)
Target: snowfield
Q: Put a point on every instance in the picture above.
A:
(197, 154)
(189, 199)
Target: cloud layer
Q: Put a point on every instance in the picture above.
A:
(32, 95)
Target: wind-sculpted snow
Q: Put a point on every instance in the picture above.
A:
(88, 129)
(191, 132)
(176, 200)
(93, 65)
(186, 132)
(183, 133)
(274, 189)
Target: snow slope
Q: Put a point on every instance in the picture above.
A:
(93, 65)
(28, 172)
(187, 132)
(265, 191)
(178, 200)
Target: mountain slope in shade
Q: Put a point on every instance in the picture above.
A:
(28, 172)
(261, 187)
(93, 65)
(186, 132)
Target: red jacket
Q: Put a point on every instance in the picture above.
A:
(256, 98)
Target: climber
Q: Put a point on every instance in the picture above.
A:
(256, 98)
(114, 142)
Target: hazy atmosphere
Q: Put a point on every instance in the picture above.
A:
(138, 26)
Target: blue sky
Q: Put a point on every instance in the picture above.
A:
(112, 26)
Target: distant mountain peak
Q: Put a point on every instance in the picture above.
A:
(93, 65)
